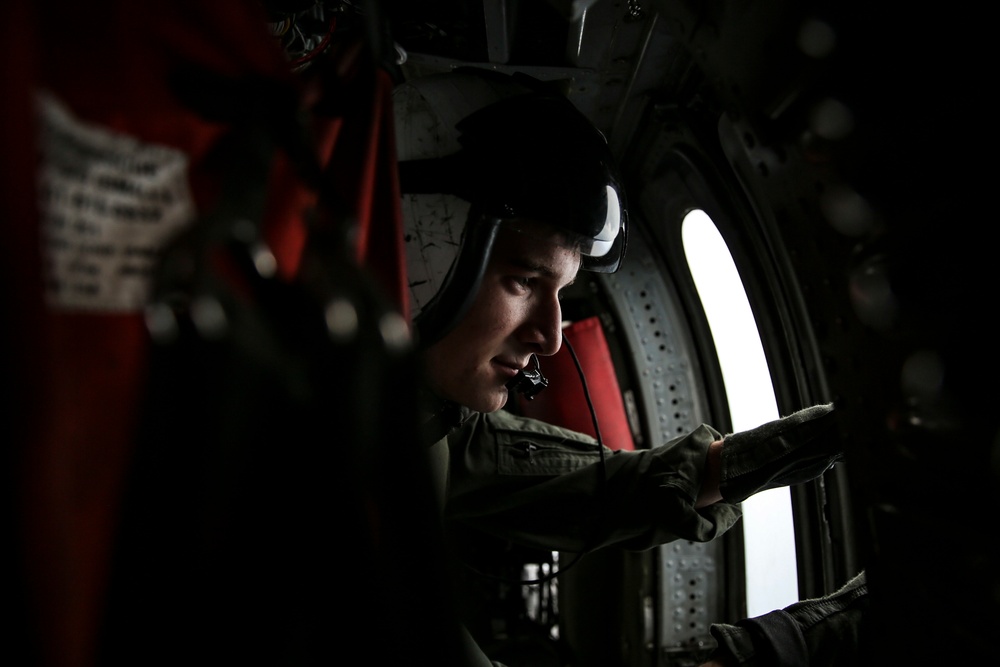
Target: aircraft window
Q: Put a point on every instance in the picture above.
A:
(771, 574)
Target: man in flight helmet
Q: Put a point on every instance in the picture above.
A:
(507, 192)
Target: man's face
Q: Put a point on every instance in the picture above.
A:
(515, 314)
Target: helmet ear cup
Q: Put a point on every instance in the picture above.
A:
(457, 293)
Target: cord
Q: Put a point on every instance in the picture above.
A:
(593, 412)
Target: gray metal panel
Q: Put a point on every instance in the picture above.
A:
(672, 403)
(691, 585)
(648, 311)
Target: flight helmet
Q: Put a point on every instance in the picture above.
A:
(477, 148)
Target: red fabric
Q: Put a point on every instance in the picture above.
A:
(564, 403)
(111, 68)
(380, 247)
(79, 375)
(363, 171)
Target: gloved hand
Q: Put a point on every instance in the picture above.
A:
(791, 450)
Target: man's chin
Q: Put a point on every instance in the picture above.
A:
(491, 402)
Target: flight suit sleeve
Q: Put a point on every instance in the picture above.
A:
(820, 632)
(547, 487)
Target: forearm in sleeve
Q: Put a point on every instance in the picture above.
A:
(546, 487)
(820, 632)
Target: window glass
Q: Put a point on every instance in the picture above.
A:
(771, 577)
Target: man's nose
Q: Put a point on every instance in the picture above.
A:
(545, 326)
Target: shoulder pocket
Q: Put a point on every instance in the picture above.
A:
(529, 447)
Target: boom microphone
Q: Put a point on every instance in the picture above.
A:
(530, 382)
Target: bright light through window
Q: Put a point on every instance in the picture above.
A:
(771, 574)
